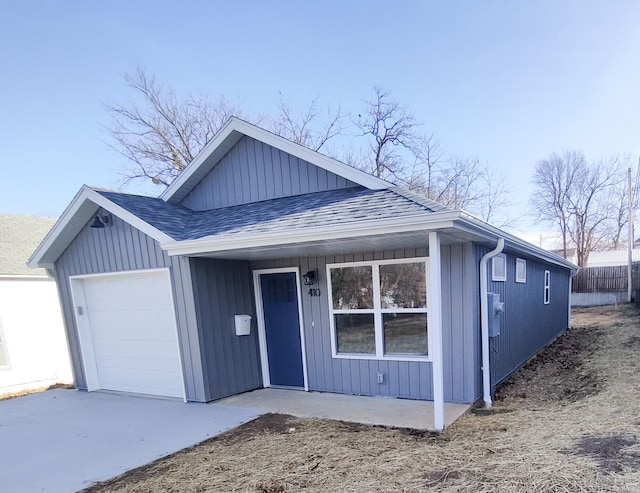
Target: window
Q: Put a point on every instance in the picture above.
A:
(521, 270)
(4, 358)
(547, 287)
(379, 309)
(499, 268)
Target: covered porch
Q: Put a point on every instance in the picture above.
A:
(383, 411)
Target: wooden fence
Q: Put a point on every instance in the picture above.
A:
(605, 279)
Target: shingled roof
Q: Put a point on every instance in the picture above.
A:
(333, 207)
(19, 237)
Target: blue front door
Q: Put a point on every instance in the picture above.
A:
(282, 329)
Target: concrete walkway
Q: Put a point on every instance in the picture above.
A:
(65, 440)
(400, 413)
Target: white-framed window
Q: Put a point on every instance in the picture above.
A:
(4, 354)
(379, 309)
(521, 270)
(547, 287)
(499, 268)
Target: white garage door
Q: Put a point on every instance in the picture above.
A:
(133, 333)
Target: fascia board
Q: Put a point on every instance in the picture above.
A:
(512, 241)
(229, 135)
(364, 228)
(82, 207)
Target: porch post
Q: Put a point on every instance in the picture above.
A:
(434, 317)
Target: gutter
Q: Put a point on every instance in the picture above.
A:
(484, 322)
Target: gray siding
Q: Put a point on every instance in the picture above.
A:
(527, 324)
(122, 248)
(253, 171)
(461, 358)
(223, 289)
(409, 379)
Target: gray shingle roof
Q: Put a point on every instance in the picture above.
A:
(333, 207)
(19, 237)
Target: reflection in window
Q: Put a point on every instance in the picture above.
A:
(352, 288)
(355, 333)
(385, 318)
(403, 285)
(405, 333)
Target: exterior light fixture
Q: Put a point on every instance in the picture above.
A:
(310, 277)
(101, 220)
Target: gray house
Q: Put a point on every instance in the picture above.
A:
(266, 264)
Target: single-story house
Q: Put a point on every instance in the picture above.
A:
(33, 347)
(267, 264)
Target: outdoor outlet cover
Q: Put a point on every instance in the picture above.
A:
(380, 377)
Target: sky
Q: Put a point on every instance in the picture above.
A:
(507, 82)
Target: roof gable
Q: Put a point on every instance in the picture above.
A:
(232, 132)
(253, 171)
(82, 208)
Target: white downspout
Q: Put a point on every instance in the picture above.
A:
(484, 322)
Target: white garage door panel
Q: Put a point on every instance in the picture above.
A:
(134, 334)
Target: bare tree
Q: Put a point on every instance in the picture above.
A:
(577, 197)
(304, 127)
(392, 130)
(553, 179)
(162, 133)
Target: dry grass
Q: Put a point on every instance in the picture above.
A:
(569, 421)
(21, 393)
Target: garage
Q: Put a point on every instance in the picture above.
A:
(128, 334)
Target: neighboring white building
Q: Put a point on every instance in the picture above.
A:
(610, 258)
(33, 347)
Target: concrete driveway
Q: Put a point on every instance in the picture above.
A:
(65, 440)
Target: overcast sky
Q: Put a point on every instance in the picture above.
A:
(508, 82)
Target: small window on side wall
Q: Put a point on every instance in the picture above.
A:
(499, 268)
(521, 270)
(547, 287)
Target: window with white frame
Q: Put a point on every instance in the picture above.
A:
(379, 309)
(499, 268)
(547, 287)
(521, 270)
(4, 358)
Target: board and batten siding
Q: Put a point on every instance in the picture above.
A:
(253, 171)
(407, 379)
(223, 288)
(120, 248)
(527, 324)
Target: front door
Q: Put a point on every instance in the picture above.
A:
(282, 329)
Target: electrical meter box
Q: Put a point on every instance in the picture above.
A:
(495, 309)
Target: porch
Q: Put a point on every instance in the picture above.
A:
(397, 413)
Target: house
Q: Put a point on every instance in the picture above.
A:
(268, 264)
(33, 348)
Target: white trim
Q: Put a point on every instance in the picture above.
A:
(87, 348)
(262, 337)
(232, 132)
(523, 278)
(494, 275)
(83, 206)
(24, 277)
(434, 316)
(377, 311)
(405, 224)
(425, 222)
(4, 350)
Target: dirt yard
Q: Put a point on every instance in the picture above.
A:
(568, 421)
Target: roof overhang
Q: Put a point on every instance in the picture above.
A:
(229, 135)
(408, 231)
(75, 217)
